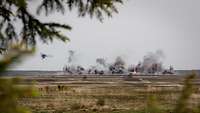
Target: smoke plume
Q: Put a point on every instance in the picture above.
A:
(101, 61)
(152, 62)
(71, 56)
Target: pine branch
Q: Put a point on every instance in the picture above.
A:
(32, 27)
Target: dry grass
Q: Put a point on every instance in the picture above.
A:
(119, 96)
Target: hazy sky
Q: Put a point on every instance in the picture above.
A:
(141, 26)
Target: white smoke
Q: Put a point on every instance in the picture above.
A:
(153, 62)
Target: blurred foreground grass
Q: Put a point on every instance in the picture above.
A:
(10, 88)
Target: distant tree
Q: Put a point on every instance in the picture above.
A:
(12, 11)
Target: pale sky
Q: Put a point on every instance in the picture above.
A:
(141, 26)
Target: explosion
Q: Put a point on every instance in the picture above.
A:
(152, 63)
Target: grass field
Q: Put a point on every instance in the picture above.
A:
(107, 94)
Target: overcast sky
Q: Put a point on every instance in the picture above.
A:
(141, 26)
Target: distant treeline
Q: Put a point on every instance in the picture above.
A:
(51, 73)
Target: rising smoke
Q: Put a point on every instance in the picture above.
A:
(71, 56)
(101, 61)
(119, 61)
(118, 67)
(71, 67)
(152, 63)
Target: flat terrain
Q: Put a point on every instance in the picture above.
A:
(106, 93)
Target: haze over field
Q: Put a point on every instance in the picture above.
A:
(142, 26)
